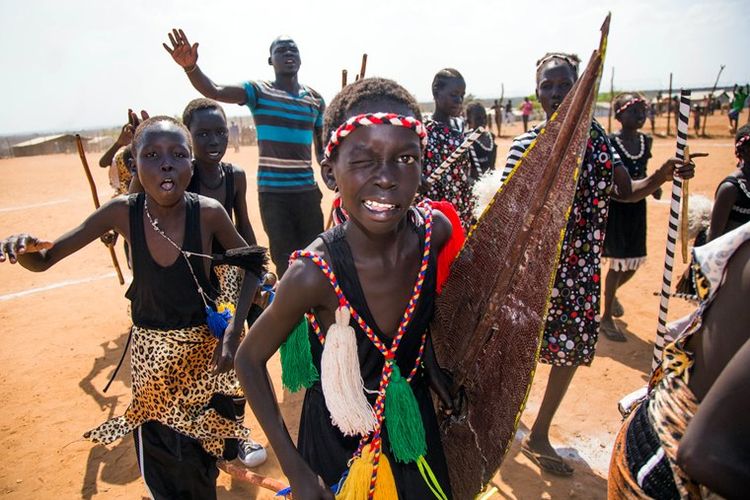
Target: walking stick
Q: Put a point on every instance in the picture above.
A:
(343, 78)
(674, 210)
(82, 155)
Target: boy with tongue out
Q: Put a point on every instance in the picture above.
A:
(288, 118)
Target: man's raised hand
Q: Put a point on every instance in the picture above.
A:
(182, 52)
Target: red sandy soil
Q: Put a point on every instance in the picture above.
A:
(62, 344)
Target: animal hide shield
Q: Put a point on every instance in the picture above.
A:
(490, 315)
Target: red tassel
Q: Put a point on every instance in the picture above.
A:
(453, 246)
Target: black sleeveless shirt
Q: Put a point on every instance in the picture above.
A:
(166, 297)
(228, 172)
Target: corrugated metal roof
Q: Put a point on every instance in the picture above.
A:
(39, 140)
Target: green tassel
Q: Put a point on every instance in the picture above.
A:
(297, 369)
(403, 420)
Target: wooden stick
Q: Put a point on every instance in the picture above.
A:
(343, 78)
(710, 98)
(611, 100)
(669, 106)
(245, 475)
(684, 213)
(95, 195)
(363, 67)
(499, 111)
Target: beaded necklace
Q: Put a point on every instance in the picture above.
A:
(625, 151)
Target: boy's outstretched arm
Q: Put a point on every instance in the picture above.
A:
(39, 255)
(186, 56)
(300, 290)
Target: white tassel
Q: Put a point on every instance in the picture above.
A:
(341, 379)
(485, 189)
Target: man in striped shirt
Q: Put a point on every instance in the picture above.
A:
(288, 118)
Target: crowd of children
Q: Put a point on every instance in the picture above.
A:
(360, 344)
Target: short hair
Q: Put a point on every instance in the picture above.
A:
(279, 39)
(476, 109)
(442, 77)
(151, 122)
(366, 89)
(197, 105)
(572, 60)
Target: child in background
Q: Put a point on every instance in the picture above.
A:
(484, 150)
(625, 241)
(178, 366)
(374, 158)
(443, 137)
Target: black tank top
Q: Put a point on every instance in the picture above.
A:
(740, 212)
(228, 172)
(166, 297)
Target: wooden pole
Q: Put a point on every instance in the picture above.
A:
(95, 195)
(246, 475)
(343, 78)
(611, 100)
(669, 106)
(710, 98)
(499, 112)
(684, 211)
(363, 67)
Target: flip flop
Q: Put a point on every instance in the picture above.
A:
(617, 310)
(553, 464)
(613, 334)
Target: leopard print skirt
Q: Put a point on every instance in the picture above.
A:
(172, 383)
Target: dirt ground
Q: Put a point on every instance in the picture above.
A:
(65, 330)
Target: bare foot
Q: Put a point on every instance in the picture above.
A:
(545, 457)
(609, 328)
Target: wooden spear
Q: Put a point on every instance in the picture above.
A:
(710, 98)
(92, 186)
(684, 213)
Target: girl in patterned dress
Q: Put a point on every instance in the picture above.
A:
(444, 135)
(572, 323)
(625, 243)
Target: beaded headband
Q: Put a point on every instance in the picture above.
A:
(737, 145)
(627, 104)
(369, 119)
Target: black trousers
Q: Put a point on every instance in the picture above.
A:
(175, 466)
(291, 221)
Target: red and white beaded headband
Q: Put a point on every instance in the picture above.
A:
(737, 145)
(368, 119)
(627, 104)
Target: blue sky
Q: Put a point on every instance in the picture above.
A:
(74, 65)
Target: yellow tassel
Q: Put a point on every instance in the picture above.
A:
(357, 483)
(225, 306)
